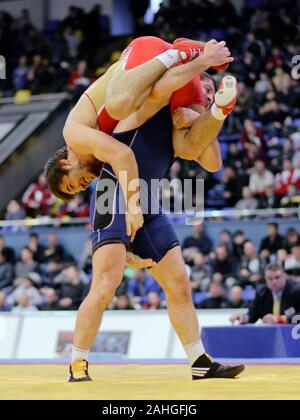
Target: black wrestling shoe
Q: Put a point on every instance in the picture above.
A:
(205, 368)
(79, 371)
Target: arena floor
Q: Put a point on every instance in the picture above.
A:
(125, 381)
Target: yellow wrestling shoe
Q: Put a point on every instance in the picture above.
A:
(79, 371)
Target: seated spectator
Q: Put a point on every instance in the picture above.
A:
(223, 266)
(36, 247)
(25, 285)
(8, 251)
(200, 240)
(24, 305)
(292, 197)
(49, 270)
(153, 302)
(276, 302)
(70, 287)
(292, 263)
(38, 199)
(269, 200)
(38, 77)
(122, 302)
(14, 211)
(6, 273)
(217, 299)
(238, 244)
(201, 274)
(54, 250)
(253, 135)
(230, 186)
(26, 263)
(234, 157)
(235, 299)
(289, 176)
(271, 243)
(20, 73)
(226, 239)
(142, 284)
(250, 270)
(4, 306)
(49, 300)
(248, 202)
(260, 179)
(292, 238)
(76, 207)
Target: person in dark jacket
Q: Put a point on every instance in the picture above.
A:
(217, 300)
(199, 240)
(276, 302)
(271, 243)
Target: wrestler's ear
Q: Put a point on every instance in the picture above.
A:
(65, 163)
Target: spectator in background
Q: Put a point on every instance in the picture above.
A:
(20, 74)
(223, 266)
(77, 207)
(271, 243)
(26, 286)
(49, 300)
(24, 305)
(226, 239)
(200, 240)
(291, 238)
(289, 176)
(201, 274)
(49, 270)
(248, 202)
(37, 249)
(292, 263)
(238, 244)
(26, 263)
(8, 251)
(153, 302)
(217, 299)
(251, 134)
(4, 306)
(54, 250)
(276, 302)
(250, 270)
(231, 187)
(38, 199)
(6, 273)
(70, 287)
(260, 179)
(38, 76)
(235, 299)
(122, 302)
(291, 198)
(269, 200)
(142, 284)
(234, 157)
(14, 211)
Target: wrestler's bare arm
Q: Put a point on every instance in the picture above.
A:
(211, 158)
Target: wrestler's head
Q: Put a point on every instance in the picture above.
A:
(209, 87)
(68, 174)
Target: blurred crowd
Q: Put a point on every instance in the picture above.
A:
(44, 276)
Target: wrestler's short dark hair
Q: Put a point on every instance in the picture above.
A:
(54, 173)
(206, 75)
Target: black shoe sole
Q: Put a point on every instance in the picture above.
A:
(226, 372)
